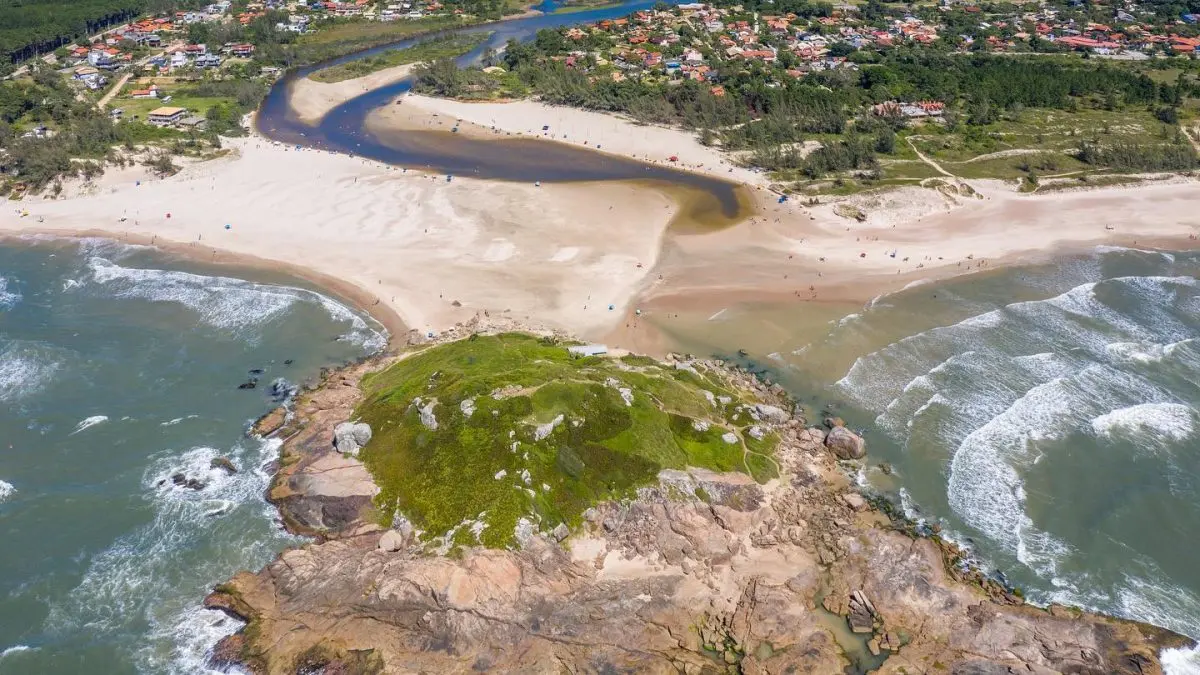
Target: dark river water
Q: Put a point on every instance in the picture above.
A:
(523, 160)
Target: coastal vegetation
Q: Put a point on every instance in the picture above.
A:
(449, 46)
(481, 440)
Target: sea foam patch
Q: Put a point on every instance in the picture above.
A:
(24, 368)
(153, 575)
(1157, 421)
(90, 422)
(6, 490)
(9, 297)
(225, 303)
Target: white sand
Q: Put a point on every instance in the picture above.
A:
(613, 134)
(313, 100)
(416, 242)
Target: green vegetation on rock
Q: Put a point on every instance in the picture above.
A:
(475, 436)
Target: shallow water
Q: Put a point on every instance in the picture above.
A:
(1048, 417)
(119, 368)
(344, 130)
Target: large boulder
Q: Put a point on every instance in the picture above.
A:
(771, 414)
(350, 437)
(845, 444)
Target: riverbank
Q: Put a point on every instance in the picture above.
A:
(596, 131)
(434, 252)
(312, 100)
(799, 573)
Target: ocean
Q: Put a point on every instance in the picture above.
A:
(120, 368)
(1046, 417)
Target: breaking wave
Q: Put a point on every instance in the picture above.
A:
(1161, 421)
(225, 303)
(8, 297)
(90, 422)
(15, 649)
(993, 395)
(24, 368)
(139, 577)
(6, 490)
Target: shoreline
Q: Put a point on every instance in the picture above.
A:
(599, 132)
(273, 601)
(337, 289)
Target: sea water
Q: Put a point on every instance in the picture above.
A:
(1047, 417)
(120, 368)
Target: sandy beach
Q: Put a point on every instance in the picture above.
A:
(435, 251)
(313, 100)
(583, 128)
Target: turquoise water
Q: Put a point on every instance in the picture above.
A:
(1047, 417)
(119, 367)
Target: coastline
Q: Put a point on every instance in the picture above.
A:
(817, 543)
(241, 265)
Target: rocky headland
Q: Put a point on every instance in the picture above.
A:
(766, 560)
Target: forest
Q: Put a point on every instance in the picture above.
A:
(32, 27)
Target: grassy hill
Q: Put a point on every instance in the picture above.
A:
(479, 439)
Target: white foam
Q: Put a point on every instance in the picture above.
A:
(1181, 661)
(89, 422)
(15, 649)
(24, 368)
(1162, 421)
(225, 303)
(6, 490)
(8, 298)
(152, 576)
(177, 420)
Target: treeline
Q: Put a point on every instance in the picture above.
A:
(31, 27)
(1003, 81)
(1126, 156)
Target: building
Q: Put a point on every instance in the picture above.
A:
(166, 116)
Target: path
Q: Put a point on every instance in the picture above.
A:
(936, 167)
(116, 89)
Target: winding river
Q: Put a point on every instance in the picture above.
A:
(524, 160)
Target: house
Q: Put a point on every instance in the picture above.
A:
(166, 116)
(179, 59)
(242, 50)
(207, 61)
(193, 122)
(152, 92)
(100, 58)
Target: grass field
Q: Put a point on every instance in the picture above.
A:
(472, 437)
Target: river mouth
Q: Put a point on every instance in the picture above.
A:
(706, 203)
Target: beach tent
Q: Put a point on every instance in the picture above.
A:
(673, 158)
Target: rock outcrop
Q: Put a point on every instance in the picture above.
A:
(351, 437)
(703, 573)
(845, 444)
